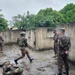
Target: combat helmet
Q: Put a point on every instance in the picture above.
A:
(62, 29)
(23, 33)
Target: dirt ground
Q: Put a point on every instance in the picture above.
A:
(43, 64)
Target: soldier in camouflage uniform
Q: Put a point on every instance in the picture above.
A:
(55, 38)
(22, 42)
(64, 46)
(11, 69)
(1, 42)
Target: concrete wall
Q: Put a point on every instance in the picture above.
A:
(40, 38)
(43, 41)
(70, 30)
(30, 35)
(10, 36)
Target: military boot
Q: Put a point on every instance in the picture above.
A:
(67, 73)
(31, 60)
(58, 74)
(15, 61)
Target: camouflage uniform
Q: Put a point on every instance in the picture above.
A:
(55, 38)
(11, 69)
(64, 45)
(1, 43)
(22, 42)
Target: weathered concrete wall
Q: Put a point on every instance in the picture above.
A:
(30, 35)
(40, 38)
(70, 30)
(43, 41)
(10, 36)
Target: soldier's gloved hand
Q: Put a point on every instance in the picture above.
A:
(66, 52)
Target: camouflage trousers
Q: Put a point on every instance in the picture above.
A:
(1, 47)
(24, 52)
(55, 48)
(63, 60)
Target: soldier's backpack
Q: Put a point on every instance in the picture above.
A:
(22, 42)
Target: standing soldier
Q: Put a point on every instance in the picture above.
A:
(64, 45)
(1, 42)
(55, 38)
(22, 42)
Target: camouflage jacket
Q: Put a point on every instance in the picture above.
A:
(22, 42)
(64, 43)
(12, 70)
(55, 38)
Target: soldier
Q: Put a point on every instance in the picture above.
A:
(22, 42)
(55, 38)
(64, 46)
(11, 69)
(1, 42)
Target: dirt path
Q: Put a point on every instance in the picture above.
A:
(43, 63)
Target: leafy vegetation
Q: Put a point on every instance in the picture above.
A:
(46, 18)
(3, 24)
(68, 13)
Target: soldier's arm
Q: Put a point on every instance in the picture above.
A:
(69, 43)
(2, 39)
(1, 65)
(60, 42)
(26, 43)
(4, 68)
(17, 40)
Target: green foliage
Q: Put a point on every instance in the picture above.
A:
(49, 17)
(68, 12)
(24, 22)
(3, 24)
(46, 18)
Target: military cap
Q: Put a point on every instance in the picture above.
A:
(62, 29)
(22, 33)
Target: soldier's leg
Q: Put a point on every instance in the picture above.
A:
(1, 65)
(66, 64)
(1, 48)
(55, 50)
(59, 65)
(23, 55)
(27, 53)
